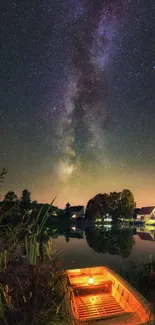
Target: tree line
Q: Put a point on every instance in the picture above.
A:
(115, 204)
(24, 201)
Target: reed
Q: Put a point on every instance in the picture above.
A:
(35, 232)
(30, 292)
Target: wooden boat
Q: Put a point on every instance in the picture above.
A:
(98, 296)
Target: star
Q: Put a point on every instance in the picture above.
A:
(77, 98)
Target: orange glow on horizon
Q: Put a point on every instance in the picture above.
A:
(83, 187)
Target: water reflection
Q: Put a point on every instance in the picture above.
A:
(101, 238)
(147, 233)
(111, 240)
(105, 238)
(67, 230)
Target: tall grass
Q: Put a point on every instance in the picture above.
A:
(30, 283)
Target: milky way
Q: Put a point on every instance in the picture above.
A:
(93, 46)
(77, 98)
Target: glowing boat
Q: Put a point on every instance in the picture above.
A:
(99, 296)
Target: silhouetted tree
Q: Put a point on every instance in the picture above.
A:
(117, 204)
(10, 197)
(2, 173)
(25, 199)
(68, 205)
(34, 202)
(67, 211)
(127, 204)
(98, 206)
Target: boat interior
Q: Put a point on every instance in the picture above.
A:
(98, 293)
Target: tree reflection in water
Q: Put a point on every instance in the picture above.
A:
(113, 241)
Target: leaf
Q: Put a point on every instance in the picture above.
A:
(58, 309)
(24, 298)
(26, 246)
(45, 216)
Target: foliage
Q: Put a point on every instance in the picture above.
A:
(25, 199)
(67, 213)
(68, 205)
(142, 277)
(9, 213)
(35, 236)
(117, 204)
(10, 196)
(30, 292)
(127, 204)
(2, 173)
(98, 206)
(34, 203)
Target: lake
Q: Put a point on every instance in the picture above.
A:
(114, 247)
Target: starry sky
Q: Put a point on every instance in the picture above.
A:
(77, 98)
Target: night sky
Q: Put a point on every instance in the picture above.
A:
(77, 98)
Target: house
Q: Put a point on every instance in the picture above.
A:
(146, 214)
(77, 211)
(136, 211)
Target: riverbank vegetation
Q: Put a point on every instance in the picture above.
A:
(31, 286)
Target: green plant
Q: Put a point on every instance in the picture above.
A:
(34, 235)
(30, 292)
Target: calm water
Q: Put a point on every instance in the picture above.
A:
(113, 247)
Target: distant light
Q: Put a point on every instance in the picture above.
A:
(108, 219)
(107, 214)
(74, 216)
(98, 220)
(108, 226)
(74, 228)
(91, 280)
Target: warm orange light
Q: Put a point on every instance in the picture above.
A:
(110, 296)
(91, 280)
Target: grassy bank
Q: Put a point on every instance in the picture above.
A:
(31, 276)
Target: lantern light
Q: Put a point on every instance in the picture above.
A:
(91, 280)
